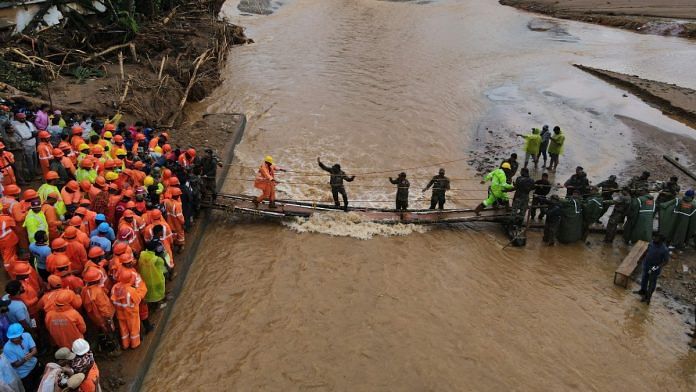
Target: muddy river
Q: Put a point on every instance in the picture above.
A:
(335, 304)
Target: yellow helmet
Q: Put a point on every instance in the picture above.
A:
(111, 176)
(158, 149)
(149, 181)
(120, 152)
(268, 159)
(108, 135)
(83, 146)
(506, 165)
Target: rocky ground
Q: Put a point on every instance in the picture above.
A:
(662, 17)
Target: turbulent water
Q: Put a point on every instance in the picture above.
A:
(335, 304)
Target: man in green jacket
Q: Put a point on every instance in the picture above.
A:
(531, 146)
(499, 187)
(556, 147)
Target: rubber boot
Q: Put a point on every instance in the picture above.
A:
(272, 205)
(479, 208)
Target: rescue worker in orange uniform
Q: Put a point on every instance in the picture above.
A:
(68, 153)
(175, 217)
(64, 324)
(32, 290)
(82, 230)
(76, 140)
(135, 223)
(6, 161)
(65, 161)
(266, 182)
(159, 230)
(126, 299)
(58, 248)
(160, 140)
(71, 195)
(69, 281)
(96, 301)
(53, 288)
(97, 260)
(139, 142)
(127, 236)
(55, 224)
(89, 219)
(9, 198)
(187, 159)
(8, 237)
(19, 214)
(45, 151)
(75, 250)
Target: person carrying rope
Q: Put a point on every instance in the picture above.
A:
(266, 182)
(336, 181)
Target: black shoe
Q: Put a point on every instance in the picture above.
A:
(639, 292)
(272, 206)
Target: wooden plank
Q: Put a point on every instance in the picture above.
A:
(629, 264)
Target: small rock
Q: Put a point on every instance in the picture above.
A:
(625, 96)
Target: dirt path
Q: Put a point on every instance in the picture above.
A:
(662, 17)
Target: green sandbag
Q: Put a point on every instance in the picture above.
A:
(570, 229)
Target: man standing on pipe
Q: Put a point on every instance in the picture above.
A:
(336, 181)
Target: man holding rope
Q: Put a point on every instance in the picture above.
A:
(336, 181)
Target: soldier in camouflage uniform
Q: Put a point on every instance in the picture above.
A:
(618, 215)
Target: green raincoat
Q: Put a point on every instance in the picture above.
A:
(556, 144)
(499, 185)
(592, 209)
(570, 229)
(639, 222)
(34, 222)
(677, 218)
(532, 142)
(151, 268)
(45, 190)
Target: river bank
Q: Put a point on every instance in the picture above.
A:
(661, 17)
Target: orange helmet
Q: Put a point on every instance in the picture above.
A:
(109, 164)
(85, 185)
(30, 194)
(120, 248)
(118, 139)
(86, 163)
(55, 281)
(110, 127)
(126, 276)
(81, 211)
(92, 274)
(51, 175)
(62, 261)
(22, 269)
(128, 213)
(58, 153)
(175, 191)
(167, 148)
(12, 190)
(100, 181)
(97, 149)
(156, 214)
(72, 185)
(139, 137)
(130, 204)
(191, 152)
(44, 135)
(95, 252)
(75, 221)
(64, 298)
(77, 130)
(70, 233)
(58, 243)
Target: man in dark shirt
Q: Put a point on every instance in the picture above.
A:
(402, 186)
(577, 181)
(523, 186)
(336, 181)
(655, 258)
(541, 190)
(514, 165)
(209, 164)
(440, 184)
(637, 184)
(553, 220)
(609, 187)
(669, 191)
(618, 215)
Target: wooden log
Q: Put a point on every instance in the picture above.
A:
(628, 265)
(679, 166)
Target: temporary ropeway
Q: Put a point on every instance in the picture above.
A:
(244, 205)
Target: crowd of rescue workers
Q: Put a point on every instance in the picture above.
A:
(93, 214)
(92, 247)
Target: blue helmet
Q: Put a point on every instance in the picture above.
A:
(14, 331)
(100, 217)
(103, 227)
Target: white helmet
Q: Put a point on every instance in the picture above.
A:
(80, 347)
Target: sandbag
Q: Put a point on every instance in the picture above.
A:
(570, 229)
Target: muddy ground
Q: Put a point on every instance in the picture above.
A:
(662, 17)
(650, 143)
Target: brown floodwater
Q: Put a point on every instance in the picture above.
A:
(337, 304)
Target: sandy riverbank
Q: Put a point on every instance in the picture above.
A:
(662, 17)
